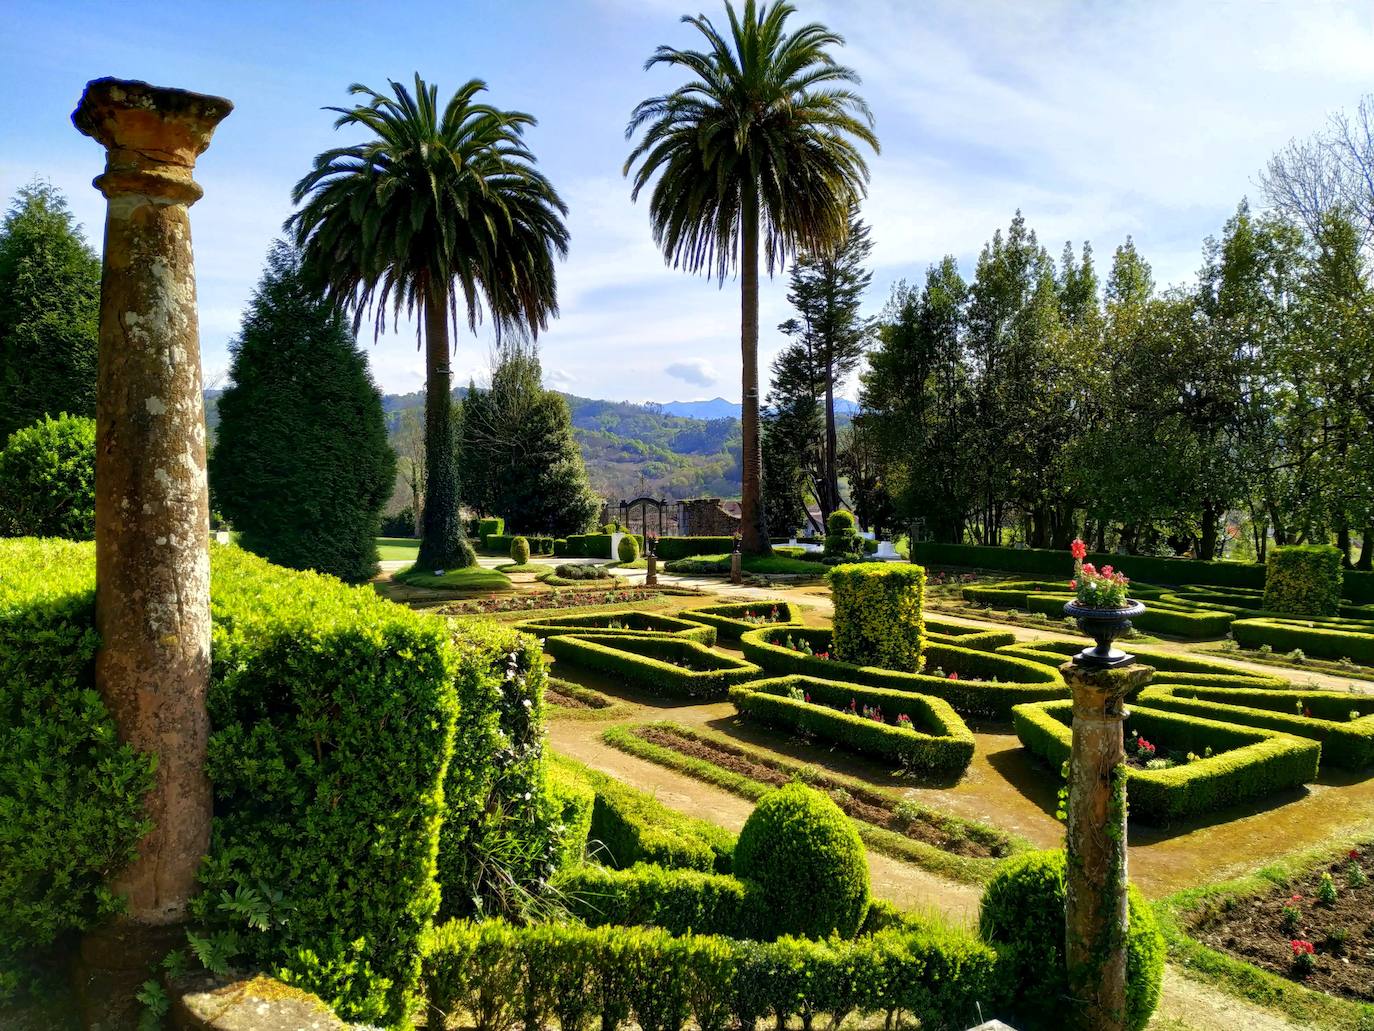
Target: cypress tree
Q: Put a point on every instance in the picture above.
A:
(302, 467)
(49, 311)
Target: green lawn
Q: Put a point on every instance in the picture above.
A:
(391, 548)
(471, 578)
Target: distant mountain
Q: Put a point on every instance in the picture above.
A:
(719, 408)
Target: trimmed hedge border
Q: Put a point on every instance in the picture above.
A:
(941, 743)
(629, 826)
(1256, 762)
(637, 624)
(1180, 620)
(669, 548)
(500, 544)
(1170, 667)
(590, 545)
(1319, 638)
(1358, 586)
(679, 901)
(1345, 742)
(962, 868)
(970, 696)
(942, 631)
(726, 618)
(647, 661)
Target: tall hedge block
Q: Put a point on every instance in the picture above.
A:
(1304, 579)
(489, 526)
(878, 617)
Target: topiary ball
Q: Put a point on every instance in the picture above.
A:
(628, 548)
(520, 551)
(1023, 908)
(840, 521)
(806, 863)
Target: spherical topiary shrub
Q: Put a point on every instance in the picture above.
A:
(1023, 908)
(807, 863)
(840, 521)
(47, 480)
(519, 551)
(628, 548)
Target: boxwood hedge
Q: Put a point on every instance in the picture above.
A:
(1303, 580)
(1170, 667)
(1323, 716)
(1248, 762)
(943, 631)
(937, 742)
(983, 683)
(589, 545)
(678, 900)
(878, 613)
(1326, 639)
(731, 619)
(629, 826)
(621, 622)
(669, 548)
(653, 663)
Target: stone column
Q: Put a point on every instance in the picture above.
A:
(151, 508)
(1095, 882)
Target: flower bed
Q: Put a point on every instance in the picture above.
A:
(738, 618)
(921, 732)
(581, 598)
(888, 822)
(976, 683)
(669, 666)
(624, 622)
(1328, 639)
(1244, 762)
(1324, 716)
(1315, 927)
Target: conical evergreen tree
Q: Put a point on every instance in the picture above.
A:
(301, 467)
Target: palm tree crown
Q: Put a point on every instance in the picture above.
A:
(767, 111)
(435, 196)
(435, 206)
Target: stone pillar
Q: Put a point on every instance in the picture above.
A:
(651, 560)
(151, 507)
(736, 565)
(1095, 915)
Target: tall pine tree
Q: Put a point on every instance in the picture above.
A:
(49, 312)
(301, 467)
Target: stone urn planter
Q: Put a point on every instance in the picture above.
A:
(1104, 626)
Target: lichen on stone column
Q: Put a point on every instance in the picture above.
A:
(151, 510)
(1096, 912)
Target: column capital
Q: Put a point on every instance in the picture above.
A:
(1098, 693)
(153, 135)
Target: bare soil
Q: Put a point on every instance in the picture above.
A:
(1259, 931)
(858, 808)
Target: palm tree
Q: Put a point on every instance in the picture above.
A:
(438, 207)
(764, 138)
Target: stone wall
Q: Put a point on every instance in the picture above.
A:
(706, 517)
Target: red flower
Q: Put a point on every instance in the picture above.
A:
(1073, 585)
(954, 676)
(1106, 570)
(1297, 898)
(1301, 947)
(1089, 568)
(1079, 549)
(1354, 853)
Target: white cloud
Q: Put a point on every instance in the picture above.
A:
(696, 371)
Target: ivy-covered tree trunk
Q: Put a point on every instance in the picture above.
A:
(441, 536)
(753, 530)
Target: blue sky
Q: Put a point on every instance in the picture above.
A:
(1097, 120)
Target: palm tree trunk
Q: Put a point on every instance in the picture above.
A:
(753, 530)
(441, 537)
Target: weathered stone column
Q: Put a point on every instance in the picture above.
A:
(1095, 916)
(151, 507)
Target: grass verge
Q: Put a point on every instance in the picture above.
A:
(392, 549)
(962, 868)
(534, 568)
(469, 578)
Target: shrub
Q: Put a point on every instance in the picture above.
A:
(629, 826)
(1023, 912)
(71, 810)
(489, 526)
(628, 548)
(839, 521)
(572, 799)
(878, 615)
(934, 741)
(671, 666)
(571, 571)
(669, 548)
(735, 618)
(47, 480)
(620, 622)
(1325, 639)
(808, 862)
(679, 901)
(842, 540)
(399, 524)
(1303, 579)
(1318, 715)
(519, 551)
(1247, 763)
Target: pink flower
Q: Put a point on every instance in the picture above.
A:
(1078, 549)
(1073, 585)
(954, 676)
(1106, 570)
(1296, 898)
(1089, 568)
(1301, 947)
